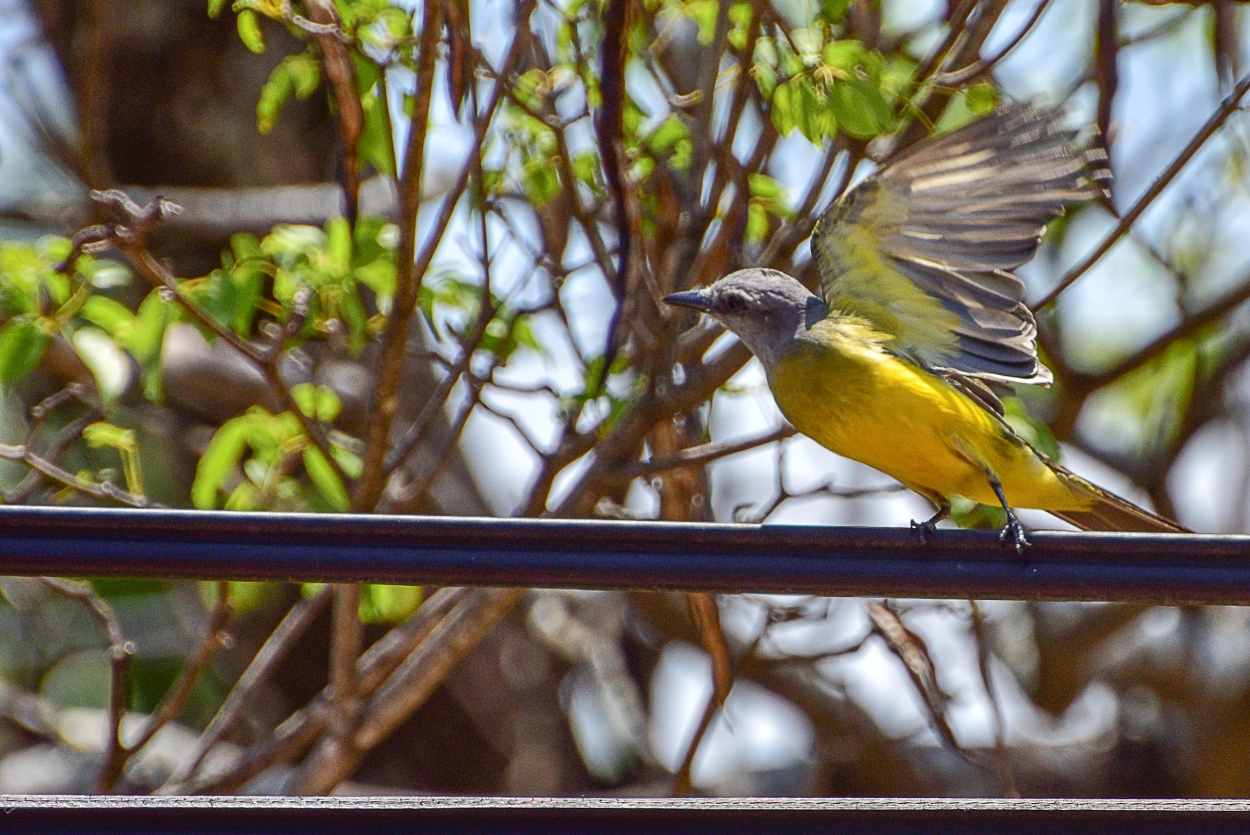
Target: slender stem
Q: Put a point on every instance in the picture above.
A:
(1230, 104)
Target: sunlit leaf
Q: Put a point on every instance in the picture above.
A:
(327, 482)
(22, 344)
(222, 456)
(249, 31)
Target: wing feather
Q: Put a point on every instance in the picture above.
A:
(924, 248)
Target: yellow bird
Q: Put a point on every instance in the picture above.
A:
(920, 310)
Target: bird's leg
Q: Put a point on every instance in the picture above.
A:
(1013, 532)
(928, 527)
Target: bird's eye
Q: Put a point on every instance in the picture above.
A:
(734, 303)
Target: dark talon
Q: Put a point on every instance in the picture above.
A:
(1013, 535)
(928, 528)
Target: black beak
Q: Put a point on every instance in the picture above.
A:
(693, 299)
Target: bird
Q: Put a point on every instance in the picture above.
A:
(920, 314)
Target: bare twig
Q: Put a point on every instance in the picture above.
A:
(982, 66)
(395, 337)
(119, 651)
(373, 480)
(1002, 756)
(408, 687)
(702, 454)
(1230, 105)
(302, 729)
(346, 634)
(324, 26)
(274, 650)
(176, 699)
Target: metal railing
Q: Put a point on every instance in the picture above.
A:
(599, 554)
(836, 561)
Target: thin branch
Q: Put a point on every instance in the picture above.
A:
(1230, 105)
(272, 652)
(702, 454)
(1185, 328)
(395, 337)
(411, 684)
(958, 78)
(346, 635)
(325, 28)
(1002, 755)
(373, 481)
(176, 699)
(304, 727)
(130, 238)
(118, 650)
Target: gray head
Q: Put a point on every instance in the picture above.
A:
(765, 308)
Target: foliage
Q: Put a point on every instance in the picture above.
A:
(556, 169)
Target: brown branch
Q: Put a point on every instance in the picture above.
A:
(258, 671)
(1106, 65)
(305, 726)
(910, 649)
(405, 690)
(130, 239)
(1187, 327)
(341, 78)
(1002, 756)
(699, 455)
(982, 66)
(609, 133)
(176, 699)
(373, 480)
(407, 279)
(346, 635)
(118, 650)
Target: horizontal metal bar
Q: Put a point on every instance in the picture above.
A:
(609, 815)
(874, 562)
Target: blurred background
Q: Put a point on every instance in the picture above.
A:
(553, 169)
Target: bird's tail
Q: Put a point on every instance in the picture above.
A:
(1109, 512)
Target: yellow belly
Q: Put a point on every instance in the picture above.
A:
(864, 403)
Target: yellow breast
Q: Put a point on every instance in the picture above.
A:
(840, 388)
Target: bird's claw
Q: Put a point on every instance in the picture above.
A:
(1013, 535)
(926, 529)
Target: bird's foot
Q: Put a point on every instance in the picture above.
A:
(1013, 535)
(928, 528)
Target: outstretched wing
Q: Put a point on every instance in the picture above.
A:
(924, 248)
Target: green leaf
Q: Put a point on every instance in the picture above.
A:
(981, 99)
(317, 401)
(147, 342)
(782, 112)
(843, 55)
(669, 132)
(381, 603)
(834, 11)
(326, 480)
(244, 497)
(854, 108)
(110, 316)
(349, 462)
(757, 222)
(215, 7)
(703, 12)
(295, 75)
(22, 343)
(249, 31)
(761, 185)
(104, 435)
(223, 454)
